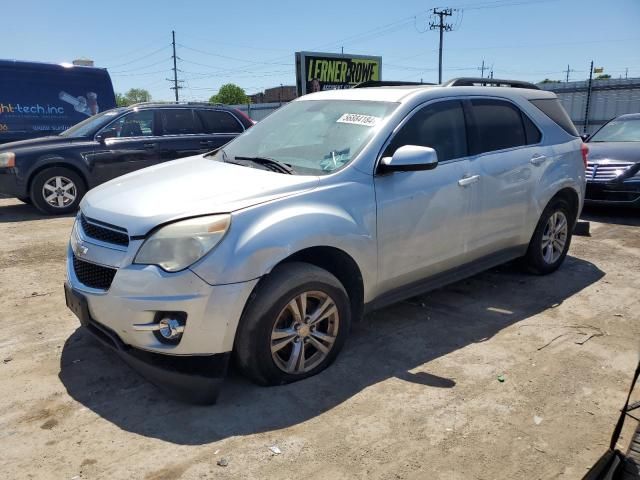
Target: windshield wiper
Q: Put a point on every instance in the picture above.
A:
(271, 163)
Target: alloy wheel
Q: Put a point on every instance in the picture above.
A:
(59, 192)
(554, 237)
(304, 332)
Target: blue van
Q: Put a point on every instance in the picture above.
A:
(42, 99)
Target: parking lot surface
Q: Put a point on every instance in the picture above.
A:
(503, 375)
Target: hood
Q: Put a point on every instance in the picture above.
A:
(614, 151)
(188, 187)
(38, 142)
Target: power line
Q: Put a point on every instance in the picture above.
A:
(140, 58)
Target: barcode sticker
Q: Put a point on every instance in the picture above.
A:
(358, 119)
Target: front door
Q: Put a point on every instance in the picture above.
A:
(423, 216)
(129, 143)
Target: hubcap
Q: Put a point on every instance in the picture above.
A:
(304, 332)
(554, 237)
(59, 192)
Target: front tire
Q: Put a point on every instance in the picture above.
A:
(26, 200)
(551, 239)
(294, 326)
(57, 190)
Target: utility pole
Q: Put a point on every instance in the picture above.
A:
(586, 110)
(491, 73)
(443, 27)
(568, 70)
(482, 69)
(626, 73)
(175, 67)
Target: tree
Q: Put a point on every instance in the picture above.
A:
(604, 76)
(230, 94)
(134, 95)
(547, 80)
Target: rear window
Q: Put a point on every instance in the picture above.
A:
(552, 108)
(216, 121)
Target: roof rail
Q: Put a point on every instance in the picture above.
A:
(388, 83)
(488, 82)
(161, 102)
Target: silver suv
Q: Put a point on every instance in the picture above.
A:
(341, 202)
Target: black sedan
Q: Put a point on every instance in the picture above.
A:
(55, 172)
(613, 170)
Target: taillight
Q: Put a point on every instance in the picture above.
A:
(585, 154)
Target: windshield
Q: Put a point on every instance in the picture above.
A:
(314, 137)
(91, 125)
(627, 130)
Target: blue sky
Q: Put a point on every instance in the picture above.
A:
(252, 43)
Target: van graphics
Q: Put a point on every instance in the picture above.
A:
(317, 72)
(45, 99)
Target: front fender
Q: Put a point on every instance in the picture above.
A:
(339, 216)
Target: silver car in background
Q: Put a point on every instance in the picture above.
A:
(341, 202)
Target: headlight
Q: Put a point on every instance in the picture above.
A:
(7, 159)
(177, 245)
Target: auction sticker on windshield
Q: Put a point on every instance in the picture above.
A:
(358, 119)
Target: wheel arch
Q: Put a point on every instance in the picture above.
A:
(570, 195)
(56, 163)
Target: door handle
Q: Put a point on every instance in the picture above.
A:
(468, 180)
(205, 143)
(538, 159)
(149, 145)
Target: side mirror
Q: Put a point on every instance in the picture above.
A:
(100, 138)
(585, 137)
(410, 158)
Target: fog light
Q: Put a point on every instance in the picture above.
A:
(170, 328)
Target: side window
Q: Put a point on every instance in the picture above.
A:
(498, 124)
(216, 121)
(179, 122)
(440, 126)
(531, 131)
(136, 124)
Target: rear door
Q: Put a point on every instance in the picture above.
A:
(507, 149)
(182, 133)
(220, 126)
(129, 143)
(423, 216)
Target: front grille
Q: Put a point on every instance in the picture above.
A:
(605, 172)
(92, 275)
(110, 234)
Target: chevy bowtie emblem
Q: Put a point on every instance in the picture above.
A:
(82, 250)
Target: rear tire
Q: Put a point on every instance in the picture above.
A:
(57, 190)
(551, 239)
(294, 325)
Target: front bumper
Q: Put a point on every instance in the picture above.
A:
(619, 193)
(9, 184)
(195, 379)
(190, 368)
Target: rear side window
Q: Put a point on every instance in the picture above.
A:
(440, 126)
(531, 131)
(179, 122)
(552, 108)
(498, 124)
(216, 121)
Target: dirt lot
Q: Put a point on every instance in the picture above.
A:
(415, 394)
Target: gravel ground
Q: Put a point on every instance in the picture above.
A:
(415, 393)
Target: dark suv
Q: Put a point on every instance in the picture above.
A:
(54, 173)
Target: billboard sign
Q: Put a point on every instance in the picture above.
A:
(316, 71)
